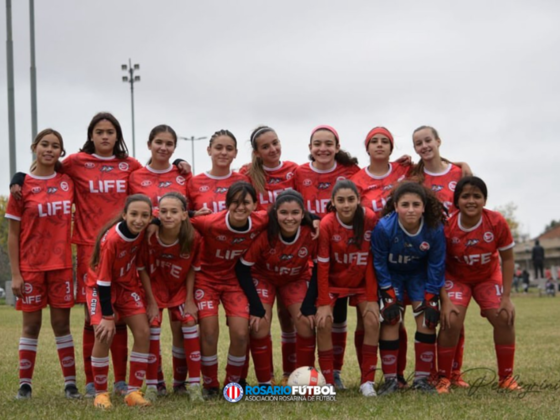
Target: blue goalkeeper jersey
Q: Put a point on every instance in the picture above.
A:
(397, 253)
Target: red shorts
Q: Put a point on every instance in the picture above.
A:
(208, 295)
(127, 303)
(356, 297)
(83, 257)
(488, 294)
(46, 287)
(177, 313)
(290, 293)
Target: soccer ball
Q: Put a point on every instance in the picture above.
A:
(306, 375)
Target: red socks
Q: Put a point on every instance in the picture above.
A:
(209, 368)
(100, 368)
(288, 352)
(425, 348)
(234, 368)
(65, 349)
(261, 358)
(369, 363)
(326, 363)
(27, 355)
(138, 365)
(458, 358)
(339, 333)
(445, 360)
(389, 351)
(87, 348)
(505, 354)
(403, 347)
(358, 343)
(119, 352)
(191, 343)
(179, 367)
(153, 353)
(305, 351)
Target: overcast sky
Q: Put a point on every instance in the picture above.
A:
(486, 74)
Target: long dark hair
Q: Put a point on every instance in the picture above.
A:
(359, 217)
(117, 219)
(287, 196)
(119, 150)
(256, 169)
(186, 233)
(38, 139)
(162, 128)
(433, 209)
(342, 156)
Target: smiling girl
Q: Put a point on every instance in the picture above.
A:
(41, 259)
(478, 239)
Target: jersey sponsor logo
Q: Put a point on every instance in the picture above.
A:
(199, 294)
(146, 183)
(180, 180)
(274, 181)
(106, 168)
(272, 251)
(68, 361)
(164, 184)
(424, 246)
(452, 185)
(336, 238)
(455, 240)
(367, 235)
(252, 235)
(122, 254)
(324, 185)
(36, 190)
(472, 242)
(388, 187)
(289, 175)
(372, 187)
(221, 190)
(303, 252)
(89, 165)
(221, 238)
(185, 256)
(286, 257)
(52, 190)
(64, 186)
(448, 284)
(237, 240)
(396, 238)
(436, 188)
(123, 166)
(488, 236)
(25, 364)
(167, 256)
(204, 188)
(134, 248)
(255, 282)
(401, 178)
(307, 182)
(27, 288)
(341, 178)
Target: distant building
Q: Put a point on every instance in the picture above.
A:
(550, 241)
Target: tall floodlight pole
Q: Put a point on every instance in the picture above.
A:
(11, 100)
(33, 70)
(131, 78)
(192, 139)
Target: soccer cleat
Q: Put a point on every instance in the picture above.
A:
(284, 381)
(403, 384)
(161, 389)
(136, 399)
(367, 389)
(433, 379)
(509, 384)
(151, 394)
(243, 383)
(211, 393)
(390, 386)
(90, 390)
(423, 385)
(443, 386)
(458, 381)
(24, 392)
(103, 401)
(72, 392)
(120, 388)
(180, 389)
(195, 393)
(338, 384)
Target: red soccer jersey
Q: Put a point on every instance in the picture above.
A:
(155, 183)
(283, 262)
(222, 246)
(316, 185)
(342, 264)
(443, 185)
(374, 190)
(45, 214)
(168, 269)
(472, 254)
(277, 180)
(210, 191)
(101, 188)
(117, 261)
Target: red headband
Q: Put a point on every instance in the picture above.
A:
(328, 128)
(379, 130)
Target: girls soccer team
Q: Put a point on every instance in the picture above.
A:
(233, 251)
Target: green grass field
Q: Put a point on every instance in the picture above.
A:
(537, 366)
